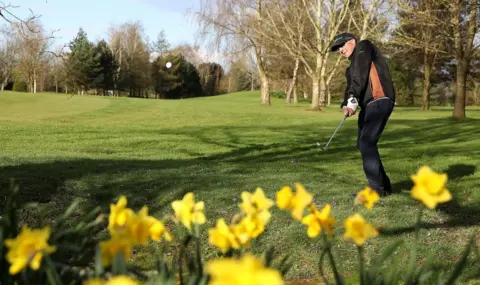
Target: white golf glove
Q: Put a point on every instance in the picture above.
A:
(352, 103)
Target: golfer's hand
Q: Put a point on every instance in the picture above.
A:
(348, 112)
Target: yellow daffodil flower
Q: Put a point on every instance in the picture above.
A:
(297, 203)
(222, 236)
(188, 212)
(117, 244)
(28, 248)
(119, 215)
(429, 187)
(94, 281)
(358, 229)
(256, 204)
(318, 220)
(141, 226)
(249, 270)
(122, 280)
(367, 197)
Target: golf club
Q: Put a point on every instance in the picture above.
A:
(325, 148)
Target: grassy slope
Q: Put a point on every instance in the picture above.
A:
(155, 151)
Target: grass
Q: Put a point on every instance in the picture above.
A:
(96, 148)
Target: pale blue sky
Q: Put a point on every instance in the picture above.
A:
(96, 16)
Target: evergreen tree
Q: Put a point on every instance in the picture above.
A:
(105, 67)
(82, 64)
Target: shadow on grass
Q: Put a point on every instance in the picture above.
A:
(459, 215)
(158, 182)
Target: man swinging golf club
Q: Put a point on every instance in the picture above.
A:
(370, 87)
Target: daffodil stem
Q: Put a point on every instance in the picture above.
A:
(361, 262)
(199, 258)
(338, 278)
(413, 253)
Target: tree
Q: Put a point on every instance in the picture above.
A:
(130, 49)
(107, 66)
(9, 48)
(82, 64)
(161, 45)
(237, 24)
(464, 29)
(210, 76)
(33, 52)
(181, 80)
(419, 23)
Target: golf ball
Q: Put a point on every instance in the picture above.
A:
(169, 64)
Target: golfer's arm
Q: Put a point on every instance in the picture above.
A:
(361, 68)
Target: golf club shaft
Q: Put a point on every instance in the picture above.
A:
(344, 118)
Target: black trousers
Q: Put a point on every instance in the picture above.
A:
(371, 122)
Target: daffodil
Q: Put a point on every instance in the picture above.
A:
(122, 280)
(94, 281)
(28, 248)
(188, 212)
(247, 271)
(295, 203)
(358, 230)
(118, 244)
(119, 215)
(141, 226)
(318, 220)
(256, 204)
(223, 237)
(367, 197)
(429, 187)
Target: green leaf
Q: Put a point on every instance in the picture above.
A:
(379, 261)
(119, 265)
(99, 269)
(461, 263)
(71, 208)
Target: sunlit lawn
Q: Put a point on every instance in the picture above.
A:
(60, 147)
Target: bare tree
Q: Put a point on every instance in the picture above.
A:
(418, 32)
(464, 29)
(9, 47)
(24, 26)
(235, 25)
(33, 53)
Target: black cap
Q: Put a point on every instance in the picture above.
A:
(340, 40)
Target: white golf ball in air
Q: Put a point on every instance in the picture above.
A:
(169, 64)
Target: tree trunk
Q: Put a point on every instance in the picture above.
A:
(229, 83)
(34, 81)
(265, 89)
(476, 93)
(460, 98)
(56, 85)
(329, 97)
(295, 96)
(426, 81)
(293, 83)
(315, 93)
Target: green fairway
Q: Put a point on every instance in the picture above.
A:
(60, 147)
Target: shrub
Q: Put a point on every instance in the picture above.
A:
(20, 86)
(35, 255)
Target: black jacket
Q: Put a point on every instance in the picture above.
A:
(368, 76)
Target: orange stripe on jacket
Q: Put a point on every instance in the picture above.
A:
(377, 90)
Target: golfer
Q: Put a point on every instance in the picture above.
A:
(370, 87)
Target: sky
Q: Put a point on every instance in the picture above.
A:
(96, 16)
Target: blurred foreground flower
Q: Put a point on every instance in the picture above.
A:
(318, 220)
(28, 248)
(358, 230)
(116, 280)
(222, 237)
(256, 204)
(367, 197)
(297, 203)
(119, 215)
(117, 244)
(429, 187)
(249, 270)
(188, 212)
